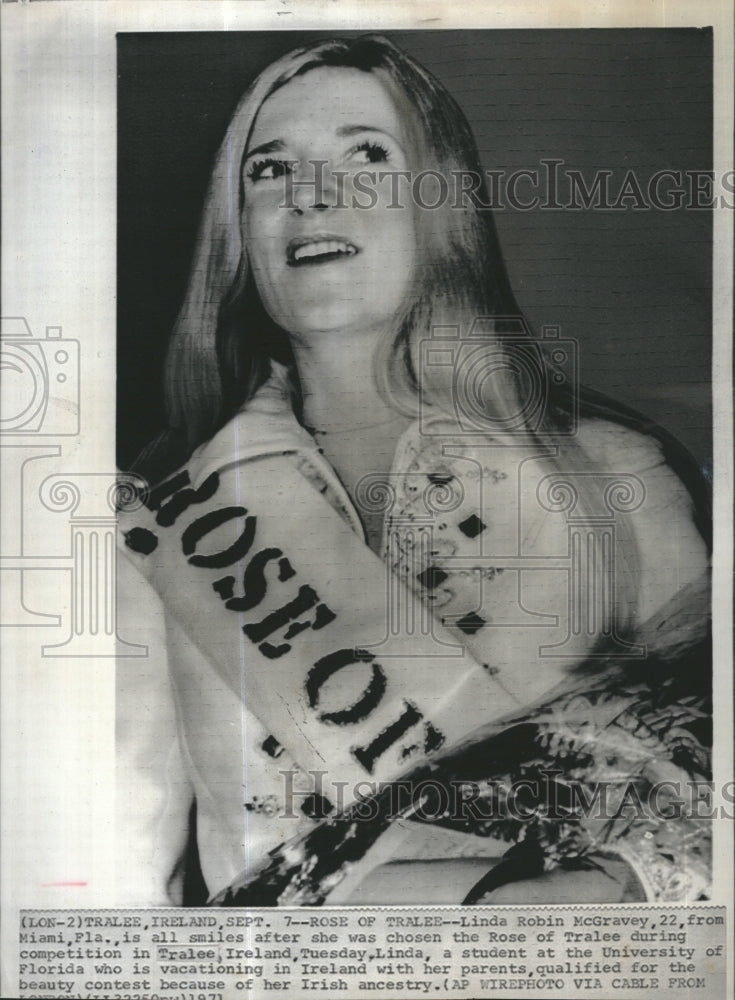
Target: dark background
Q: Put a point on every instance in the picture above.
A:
(633, 287)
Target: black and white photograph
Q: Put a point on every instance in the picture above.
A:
(367, 505)
(350, 376)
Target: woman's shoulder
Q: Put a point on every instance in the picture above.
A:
(263, 427)
(617, 447)
(665, 519)
(669, 476)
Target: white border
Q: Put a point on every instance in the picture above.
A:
(58, 268)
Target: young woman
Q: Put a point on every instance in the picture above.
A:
(381, 517)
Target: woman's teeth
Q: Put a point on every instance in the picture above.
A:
(323, 248)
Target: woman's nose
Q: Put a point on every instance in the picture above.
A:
(314, 187)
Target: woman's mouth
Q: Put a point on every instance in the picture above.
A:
(318, 250)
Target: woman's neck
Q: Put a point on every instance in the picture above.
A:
(338, 385)
(355, 428)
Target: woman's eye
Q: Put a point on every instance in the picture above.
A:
(370, 152)
(268, 170)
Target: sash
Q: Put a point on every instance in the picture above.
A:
(288, 604)
(293, 647)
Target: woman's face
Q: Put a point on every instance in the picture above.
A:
(320, 262)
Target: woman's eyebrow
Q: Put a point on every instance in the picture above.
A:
(345, 130)
(274, 146)
(278, 145)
